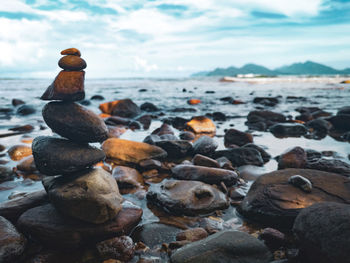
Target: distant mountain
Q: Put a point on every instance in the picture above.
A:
(307, 68)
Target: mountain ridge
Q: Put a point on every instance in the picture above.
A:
(299, 68)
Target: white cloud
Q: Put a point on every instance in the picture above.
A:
(143, 64)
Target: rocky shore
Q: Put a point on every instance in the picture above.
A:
(188, 191)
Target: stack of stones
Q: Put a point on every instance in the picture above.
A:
(75, 188)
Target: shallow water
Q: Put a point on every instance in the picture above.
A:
(167, 94)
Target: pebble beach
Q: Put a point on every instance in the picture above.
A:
(173, 170)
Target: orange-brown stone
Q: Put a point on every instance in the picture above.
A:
(107, 107)
(71, 51)
(71, 62)
(68, 86)
(193, 101)
(201, 124)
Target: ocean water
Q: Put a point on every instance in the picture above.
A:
(167, 94)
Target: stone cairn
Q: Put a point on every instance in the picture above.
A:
(74, 187)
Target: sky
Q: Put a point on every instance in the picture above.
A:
(170, 38)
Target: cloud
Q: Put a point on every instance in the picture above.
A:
(169, 37)
(143, 64)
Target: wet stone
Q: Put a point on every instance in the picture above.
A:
(27, 164)
(75, 122)
(301, 182)
(67, 86)
(293, 158)
(262, 120)
(91, 196)
(16, 102)
(236, 137)
(130, 151)
(72, 62)
(272, 200)
(24, 110)
(205, 174)
(120, 248)
(6, 174)
(226, 246)
(265, 155)
(288, 130)
(267, 101)
(202, 160)
(205, 145)
(127, 178)
(201, 124)
(186, 135)
(187, 197)
(155, 234)
(12, 243)
(241, 156)
(323, 231)
(125, 108)
(330, 165)
(272, 238)
(175, 149)
(18, 152)
(97, 97)
(55, 156)
(12, 209)
(49, 227)
(148, 106)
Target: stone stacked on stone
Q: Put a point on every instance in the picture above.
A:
(79, 192)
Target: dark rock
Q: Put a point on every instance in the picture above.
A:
(97, 97)
(6, 174)
(116, 120)
(12, 243)
(344, 110)
(49, 227)
(150, 164)
(288, 130)
(131, 152)
(12, 209)
(183, 109)
(273, 238)
(120, 248)
(227, 246)
(300, 182)
(340, 122)
(84, 102)
(155, 234)
(272, 200)
(227, 99)
(307, 109)
(127, 177)
(16, 102)
(262, 120)
(187, 197)
(25, 110)
(293, 158)
(179, 123)
(152, 139)
(211, 225)
(142, 90)
(55, 156)
(192, 235)
(329, 165)
(236, 137)
(265, 155)
(205, 174)
(312, 155)
(67, 86)
(175, 149)
(163, 129)
(319, 125)
(126, 108)
(205, 145)
(148, 106)
(91, 196)
(323, 231)
(23, 128)
(241, 156)
(75, 122)
(219, 116)
(146, 121)
(267, 101)
(224, 163)
(187, 136)
(202, 160)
